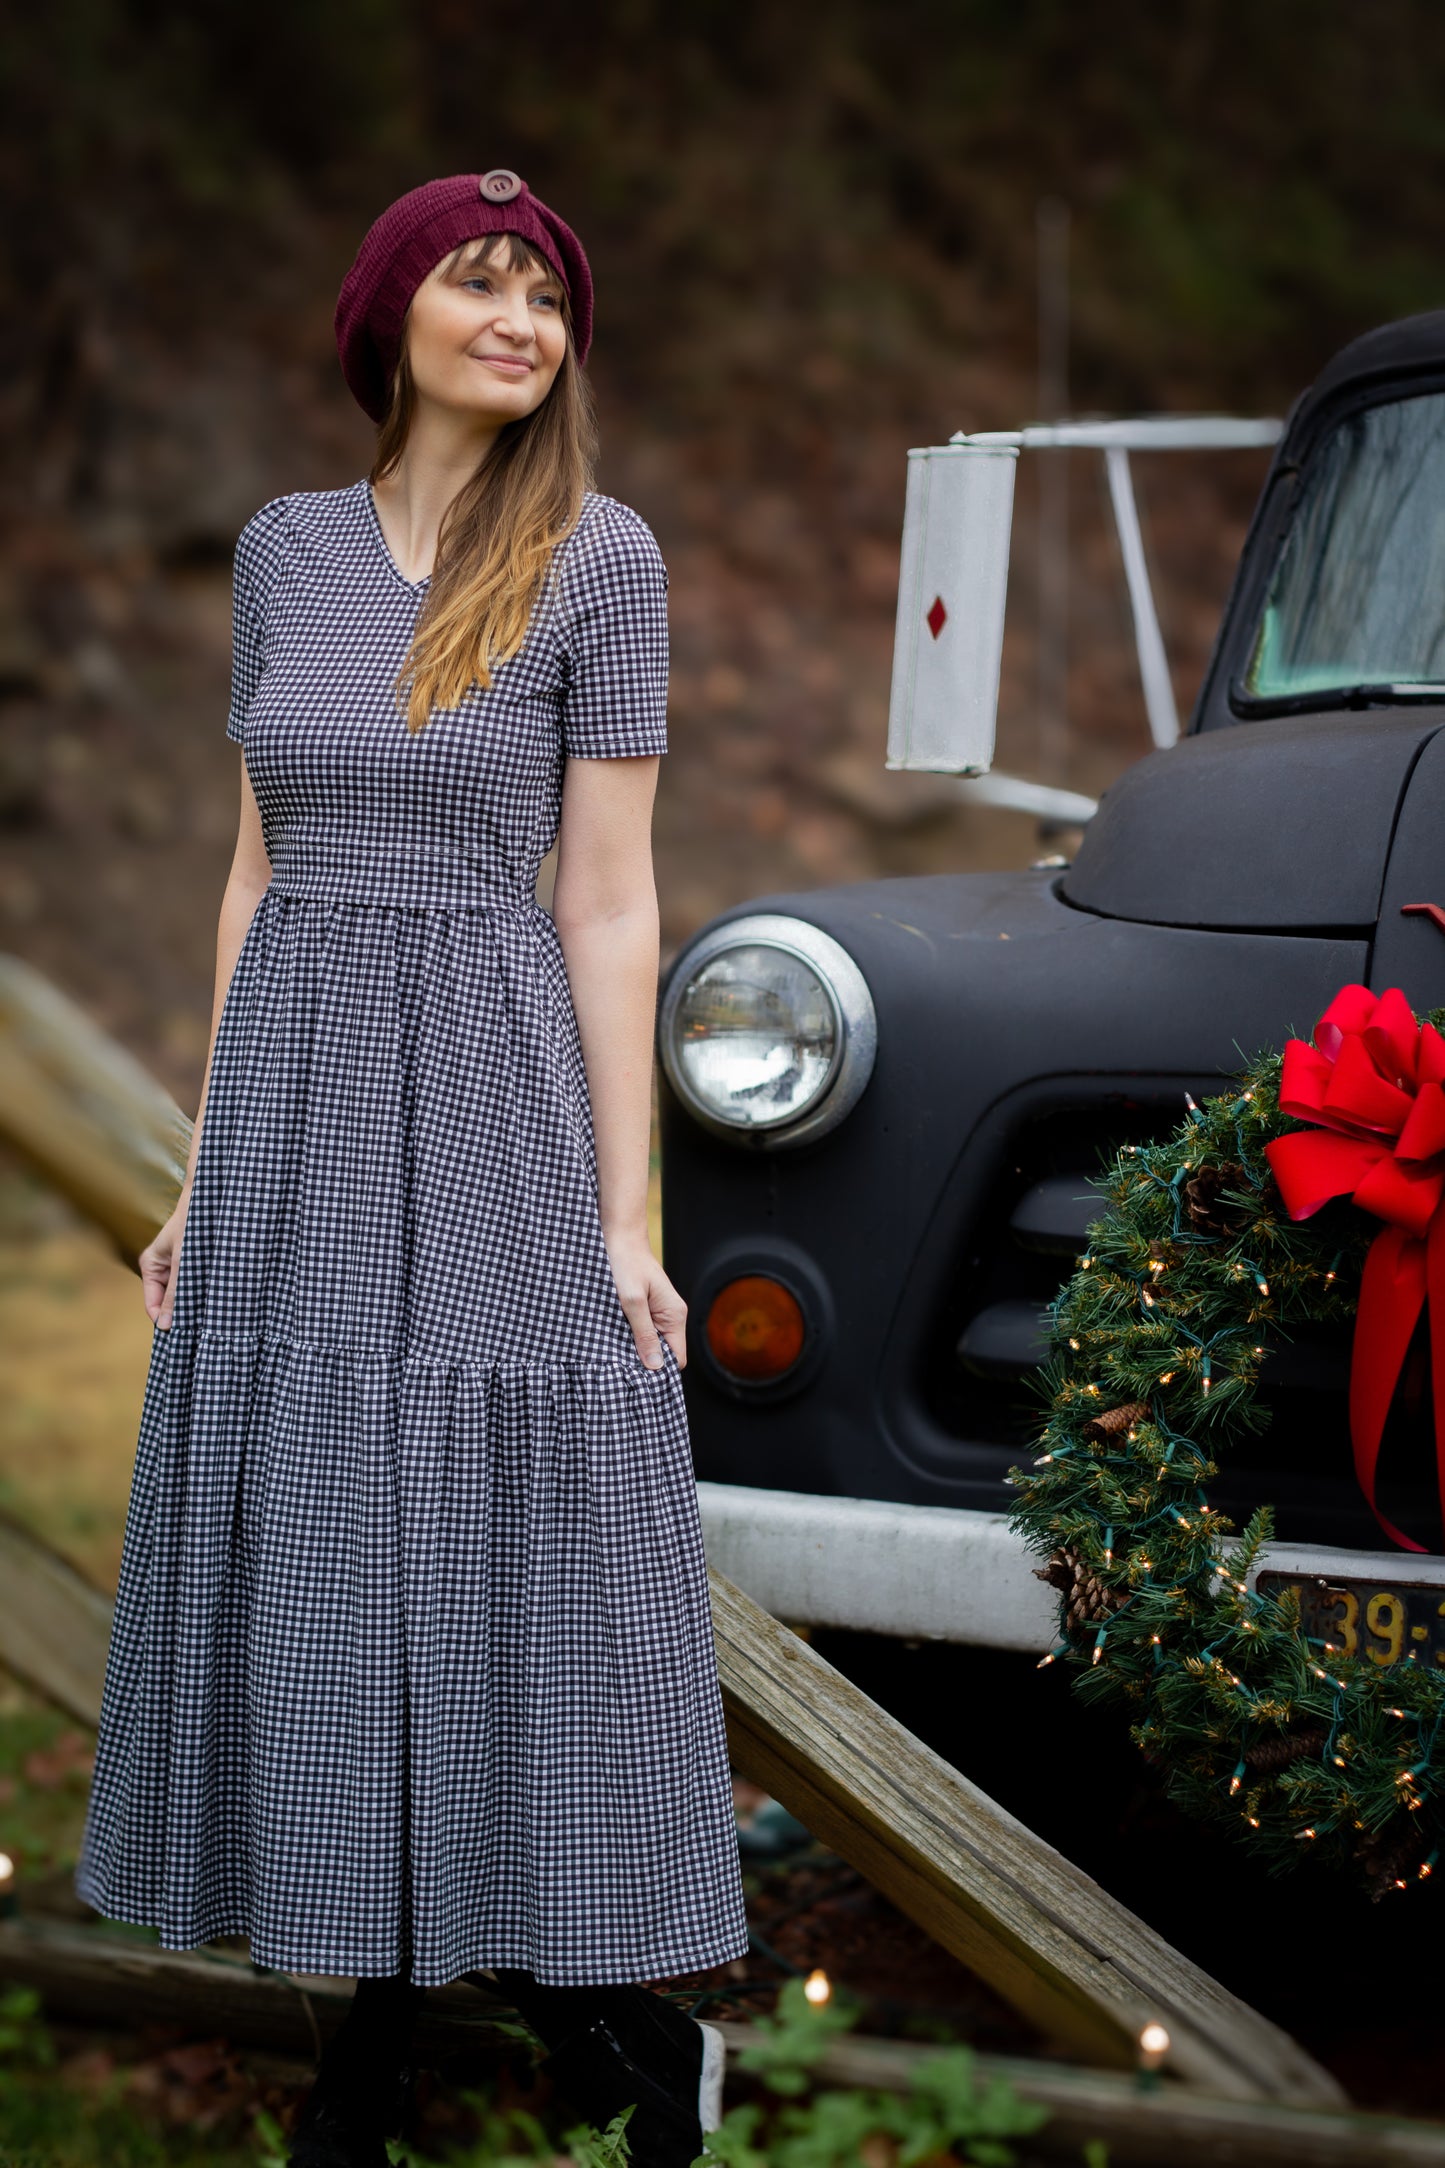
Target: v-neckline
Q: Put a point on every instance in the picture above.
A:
(413, 587)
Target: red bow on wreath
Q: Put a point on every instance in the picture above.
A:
(1375, 1082)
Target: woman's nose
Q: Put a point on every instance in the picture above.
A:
(515, 318)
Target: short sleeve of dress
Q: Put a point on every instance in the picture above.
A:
(259, 553)
(614, 634)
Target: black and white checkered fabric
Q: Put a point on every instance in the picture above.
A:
(412, 1652)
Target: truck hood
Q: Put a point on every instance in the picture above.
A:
(1282, 825)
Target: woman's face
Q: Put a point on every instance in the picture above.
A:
(486, 340)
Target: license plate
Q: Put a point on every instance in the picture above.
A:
(1388, 1623)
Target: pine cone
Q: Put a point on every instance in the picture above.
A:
(1269, 1756)
(1209, 1212)
(1392, 1854)
(1114, 1421)
(1087, 1600)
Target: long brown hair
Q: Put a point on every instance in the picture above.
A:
(495, 547)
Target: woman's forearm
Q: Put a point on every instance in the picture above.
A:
(612, 966)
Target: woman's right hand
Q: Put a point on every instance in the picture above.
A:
(158, 1262)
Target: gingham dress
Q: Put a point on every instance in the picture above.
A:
(412, 1652)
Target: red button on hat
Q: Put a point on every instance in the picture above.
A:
(500, 185)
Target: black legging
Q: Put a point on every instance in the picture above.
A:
(382, 2012)
(385, 2004)
(554, 2013)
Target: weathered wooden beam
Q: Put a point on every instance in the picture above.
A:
(87, 1115)
(95, 1975)
(117, 1979)
(54, 1623)
(1072, 1959)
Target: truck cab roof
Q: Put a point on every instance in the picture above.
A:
(1309, 762)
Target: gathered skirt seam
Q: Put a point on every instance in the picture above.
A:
(413, 1358)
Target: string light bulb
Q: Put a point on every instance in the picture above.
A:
(1154, 2045)
(818, 1987)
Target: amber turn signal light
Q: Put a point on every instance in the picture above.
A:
(755, 1328)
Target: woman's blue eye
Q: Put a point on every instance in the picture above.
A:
(478, 279)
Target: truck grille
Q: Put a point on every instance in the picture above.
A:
(982, 1384)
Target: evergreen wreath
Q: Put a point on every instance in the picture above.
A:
(1156, 1347)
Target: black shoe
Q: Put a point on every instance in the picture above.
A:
(361, 2096)
(670, 2092)
(682, 2053)
(330, 2134)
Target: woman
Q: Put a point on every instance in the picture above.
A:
(412, 1672)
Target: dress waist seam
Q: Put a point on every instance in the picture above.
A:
(304, 891)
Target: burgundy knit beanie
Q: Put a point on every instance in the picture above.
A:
(411, 238)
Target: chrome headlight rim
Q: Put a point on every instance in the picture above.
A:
(854, 1017)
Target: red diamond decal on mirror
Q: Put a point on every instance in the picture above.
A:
(937, 617)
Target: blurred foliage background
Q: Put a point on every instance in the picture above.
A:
(813, 232)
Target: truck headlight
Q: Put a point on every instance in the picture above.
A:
(767, 1031)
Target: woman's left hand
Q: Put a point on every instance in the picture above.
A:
(654, 1308)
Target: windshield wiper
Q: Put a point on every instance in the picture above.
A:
(1326, 698)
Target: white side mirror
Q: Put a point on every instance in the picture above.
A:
(953, 578)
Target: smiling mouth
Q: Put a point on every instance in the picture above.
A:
(513, 366)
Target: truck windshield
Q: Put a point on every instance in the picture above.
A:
(1358, 595)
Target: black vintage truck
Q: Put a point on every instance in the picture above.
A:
(881, 1102)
